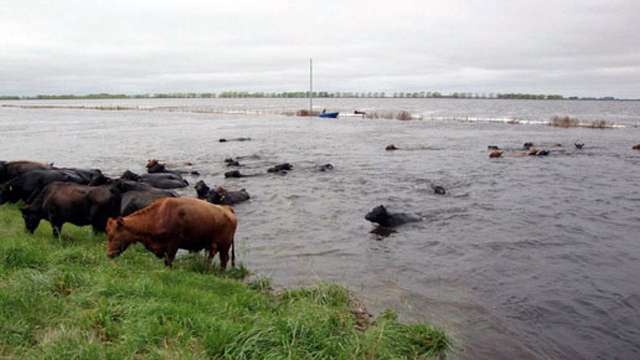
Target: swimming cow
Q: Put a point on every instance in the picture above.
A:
(280, 168)
(176, 223)
(157, 180)
(220, 195)
(137, 195)
(384, 218)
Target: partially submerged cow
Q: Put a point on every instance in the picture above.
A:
(158, 180)
(220, 195)
(384, 218)
(81, 205)
(176, 223)
(138, 195)
(154, 167)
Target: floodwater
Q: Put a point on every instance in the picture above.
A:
(523, 258)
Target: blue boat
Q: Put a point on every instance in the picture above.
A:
(329, 115)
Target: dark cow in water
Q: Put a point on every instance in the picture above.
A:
(281, 168)
(238, 174)
(154, 167)
(176, 223)
(81, 205)
(232, 162)
(157, 180)
(324, 168)
(136, 196)
(384, 218)
(438, 189)
(29, 185)
(14, 169)
(236, 139)
(220, 196)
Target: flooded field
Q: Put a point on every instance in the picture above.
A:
(524, 258)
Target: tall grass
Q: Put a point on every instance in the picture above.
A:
(389, 115)
(568, 122)
(62, 298)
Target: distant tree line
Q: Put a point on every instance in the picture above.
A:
(305, 94)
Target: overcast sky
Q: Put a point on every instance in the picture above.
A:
(583, 48)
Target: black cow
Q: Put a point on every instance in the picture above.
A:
(438, 189)
(202, 189)
(14, 169)
(154, 167)
(280, 168)
(236, 139)
(237, 174)
(29, 185)
(137, 195)
(324, 168)
(158, 180)
(220, 196)
(381, 216)
(62, 202)
(232, 162)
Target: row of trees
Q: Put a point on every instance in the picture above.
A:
(305, 94)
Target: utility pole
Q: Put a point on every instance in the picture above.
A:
(310, 87)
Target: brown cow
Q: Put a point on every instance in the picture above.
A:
(172, 223)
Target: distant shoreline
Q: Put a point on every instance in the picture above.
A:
(320, 94)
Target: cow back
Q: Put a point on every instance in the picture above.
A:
(193, 223)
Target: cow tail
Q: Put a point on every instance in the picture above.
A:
(233, 252)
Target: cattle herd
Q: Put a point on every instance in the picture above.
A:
(144, 208)
(88, 197)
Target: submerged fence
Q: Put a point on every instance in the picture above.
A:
(402, 115)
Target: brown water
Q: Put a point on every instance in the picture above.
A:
(524, 258)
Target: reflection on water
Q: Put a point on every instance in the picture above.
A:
(528, 257)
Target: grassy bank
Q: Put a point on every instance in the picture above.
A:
(63, 299)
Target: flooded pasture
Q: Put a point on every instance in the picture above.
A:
(529, 257)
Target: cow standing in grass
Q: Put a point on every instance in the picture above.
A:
(176, 223)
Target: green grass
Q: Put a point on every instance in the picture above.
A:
(62, 298)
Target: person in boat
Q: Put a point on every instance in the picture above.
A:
(324, 111)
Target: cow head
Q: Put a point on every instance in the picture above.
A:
(31, 219)
(379, 215)
(202, 189)
(118, 237)
(7, 192)
(129, 175)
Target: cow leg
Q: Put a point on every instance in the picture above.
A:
(224, 257)
(57, 228)
(212, 251)
(170, 255)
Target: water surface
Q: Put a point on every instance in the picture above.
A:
(527, 258)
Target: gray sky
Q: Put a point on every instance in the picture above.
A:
(583, 48)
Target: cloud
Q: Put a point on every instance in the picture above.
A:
(566, 47)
